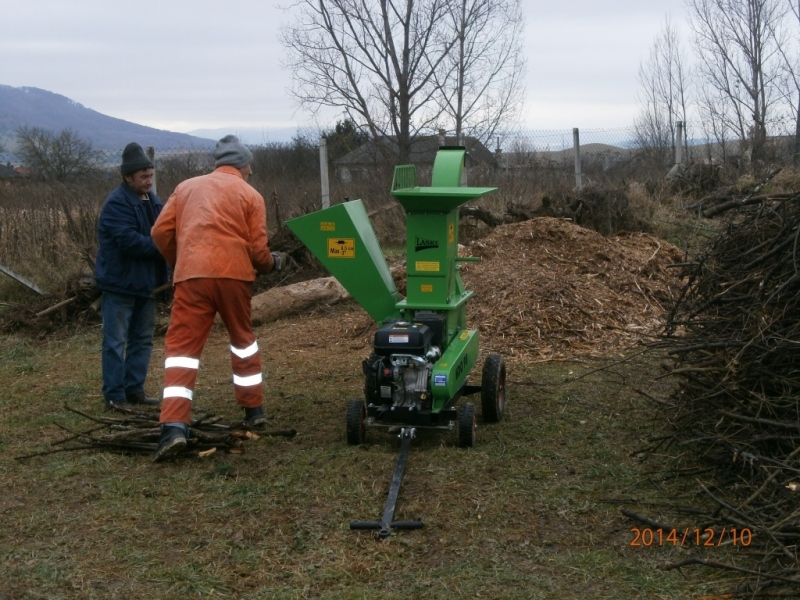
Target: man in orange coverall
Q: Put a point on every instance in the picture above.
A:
(213, 233)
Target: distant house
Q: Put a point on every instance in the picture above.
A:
(360, 164)
(7, 172)
(23, 171)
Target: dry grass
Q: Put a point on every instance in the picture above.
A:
(531, 512)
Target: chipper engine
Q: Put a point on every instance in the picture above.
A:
(422, 352)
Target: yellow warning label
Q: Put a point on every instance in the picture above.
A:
(451, 233)
(427, 265)
(464, 335)
(426, 288)
(327, 226)
(341, 248)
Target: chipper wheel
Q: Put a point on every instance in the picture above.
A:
(493, 388)
(467, 426)
(356, 429)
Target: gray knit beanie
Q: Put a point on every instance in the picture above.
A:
(134, 159)
(230, 151)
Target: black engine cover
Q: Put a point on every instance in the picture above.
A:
(402, 337)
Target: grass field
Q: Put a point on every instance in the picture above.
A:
(532, 511)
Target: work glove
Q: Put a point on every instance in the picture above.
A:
(280, 260)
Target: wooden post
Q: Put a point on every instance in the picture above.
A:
(151, 154)
(576, 143)
(679, 143)
(323, 172)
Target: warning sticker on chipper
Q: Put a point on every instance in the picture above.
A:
(341, 248)
(398, 339)
(440, 380)
(327, 226)
(427, 265)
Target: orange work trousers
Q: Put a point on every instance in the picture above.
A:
(196, 303)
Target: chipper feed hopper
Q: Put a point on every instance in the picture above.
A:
(422, 352)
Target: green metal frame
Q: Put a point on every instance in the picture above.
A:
(343, 239)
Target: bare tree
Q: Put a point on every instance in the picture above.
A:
(664, 95)
(481, 86)
(738, 52)
(711, 106)
(60, 156)
(373, 59)
(790, 80)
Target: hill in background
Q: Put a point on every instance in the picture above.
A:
(34, 107)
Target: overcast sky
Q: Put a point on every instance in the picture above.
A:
(183, 65)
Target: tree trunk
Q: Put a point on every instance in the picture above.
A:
(796, 154)
(290, 299)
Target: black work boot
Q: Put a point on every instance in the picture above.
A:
(172, 442)
(255, 416)
(141, 398)
(119, 405)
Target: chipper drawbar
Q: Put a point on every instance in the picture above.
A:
(422, 352)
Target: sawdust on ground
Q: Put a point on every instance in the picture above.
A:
(545, 289)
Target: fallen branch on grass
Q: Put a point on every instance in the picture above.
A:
(695, 560)
(139, 432)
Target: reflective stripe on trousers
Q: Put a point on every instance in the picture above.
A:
(196, 303)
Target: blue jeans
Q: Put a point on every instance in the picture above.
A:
(128, 324)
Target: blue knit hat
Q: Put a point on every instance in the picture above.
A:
(230, 151)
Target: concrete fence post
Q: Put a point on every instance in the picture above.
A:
(323, 172)
(151, 154)
(576, 143)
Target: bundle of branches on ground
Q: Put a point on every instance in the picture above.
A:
(734, 335)
(139, 432)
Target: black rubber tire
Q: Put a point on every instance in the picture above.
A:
(356, 428)
(493, 388)
(467, 426)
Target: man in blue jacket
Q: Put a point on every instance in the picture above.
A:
(129, 267)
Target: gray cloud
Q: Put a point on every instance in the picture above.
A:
(189, 64)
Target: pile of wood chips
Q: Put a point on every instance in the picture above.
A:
(548, 289)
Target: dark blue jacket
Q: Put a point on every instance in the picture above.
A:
(128, 261)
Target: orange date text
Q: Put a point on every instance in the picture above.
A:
(690, 536)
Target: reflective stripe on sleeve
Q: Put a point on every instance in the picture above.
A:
(245, 352)
(178, 392)
(182, 361)
(247, 381)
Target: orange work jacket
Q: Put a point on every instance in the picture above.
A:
(214, 225)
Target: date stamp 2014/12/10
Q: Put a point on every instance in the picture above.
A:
(691, 536)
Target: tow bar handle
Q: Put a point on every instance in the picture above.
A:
(385, 529)
(388, 523)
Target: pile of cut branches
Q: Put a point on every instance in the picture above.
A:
(138, 432)
(734, 337)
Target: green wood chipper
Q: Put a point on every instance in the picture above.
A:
(423, 351)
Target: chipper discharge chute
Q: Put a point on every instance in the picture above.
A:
(422, 351)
